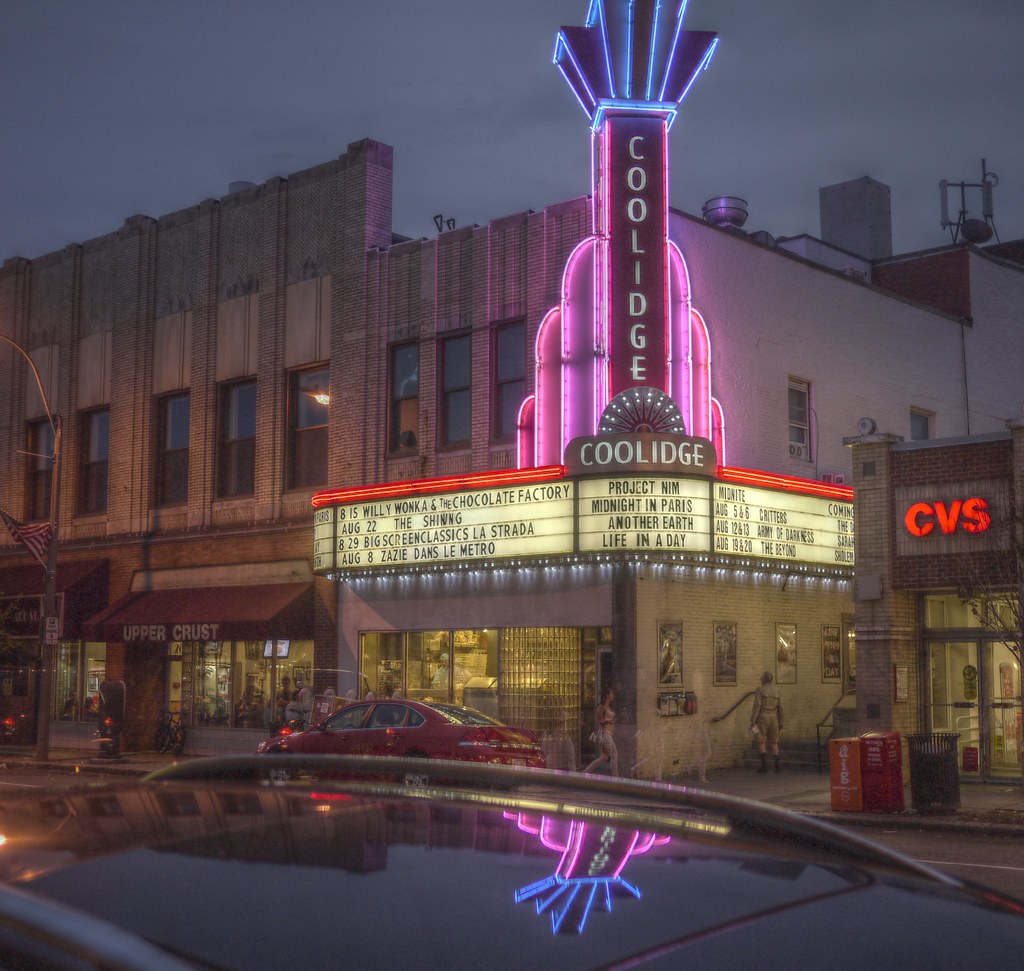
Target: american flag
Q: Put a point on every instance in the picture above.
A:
(35, 537)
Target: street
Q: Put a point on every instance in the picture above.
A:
(994, 861)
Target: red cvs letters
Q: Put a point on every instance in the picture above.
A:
(970, 515)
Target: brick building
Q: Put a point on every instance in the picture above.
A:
(939, 590)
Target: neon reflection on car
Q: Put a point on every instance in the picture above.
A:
(589, 872)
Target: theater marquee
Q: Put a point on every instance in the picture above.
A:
(533, 513)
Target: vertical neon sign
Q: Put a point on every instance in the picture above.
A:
(625, 319)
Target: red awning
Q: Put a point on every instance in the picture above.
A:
(273, 610)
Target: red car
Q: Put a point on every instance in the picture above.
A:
(414, 729)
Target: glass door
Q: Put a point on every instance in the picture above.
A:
(981, 702)
(954, 676)
(1002, 706)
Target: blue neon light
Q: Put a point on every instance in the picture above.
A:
(579, 896)
(606, 46)
(629, 49)
(598, 60)
(666, 109)
(652, 51)
(673, 48)
(703, 66)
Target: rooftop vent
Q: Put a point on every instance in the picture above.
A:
(726, 211)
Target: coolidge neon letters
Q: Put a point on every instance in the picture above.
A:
(970, 515)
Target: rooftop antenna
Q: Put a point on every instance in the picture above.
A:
(971, 230)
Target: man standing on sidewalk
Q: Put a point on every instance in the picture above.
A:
(766, 719)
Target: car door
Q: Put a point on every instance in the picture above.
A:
(384, 729)
(341, 734)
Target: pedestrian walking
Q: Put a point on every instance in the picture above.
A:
(604, 734)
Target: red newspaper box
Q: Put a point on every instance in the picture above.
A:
(881, 772)
(844, 774)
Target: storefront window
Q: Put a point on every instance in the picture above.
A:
(241, 684)
(80, 670)
(438, 665)
(949, 612)
(383, 664)
(429, 665)
(66, 694)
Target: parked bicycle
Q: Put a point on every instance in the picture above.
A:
(170, 733)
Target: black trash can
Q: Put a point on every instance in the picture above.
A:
(934, 774)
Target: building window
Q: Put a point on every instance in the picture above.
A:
(920, 425)
(95, 453)
(309, 409)
(799, 420)
(236, 443)
(172, 450)
(405, 396)
(455, 390)
(40, 462)
(509, 377)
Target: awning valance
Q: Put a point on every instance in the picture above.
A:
(273, 610)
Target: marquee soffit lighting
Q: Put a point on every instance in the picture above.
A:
(553, 473)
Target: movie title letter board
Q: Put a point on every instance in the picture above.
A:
(484, 524)
(782, 525)
(626, 513)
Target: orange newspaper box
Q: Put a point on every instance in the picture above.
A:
(844, 775)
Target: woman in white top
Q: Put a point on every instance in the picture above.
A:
(605, 737)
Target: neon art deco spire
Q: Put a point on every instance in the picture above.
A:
(624, 348)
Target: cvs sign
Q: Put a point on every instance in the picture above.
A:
(970, 515)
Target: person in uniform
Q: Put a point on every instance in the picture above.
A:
(766, 719)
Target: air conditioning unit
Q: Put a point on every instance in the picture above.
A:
(797, 451)
(833, 478)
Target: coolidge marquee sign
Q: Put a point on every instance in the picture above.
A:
(640, 494)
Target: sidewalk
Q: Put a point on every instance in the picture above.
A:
(984, 806)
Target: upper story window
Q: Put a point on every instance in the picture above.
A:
(509, 377)
(799, 419)
(95, 454)
(455, 390)
(405, 396)
(236, 440)
(308, 408)
(920, 425)
(172, 449)
(40, 464)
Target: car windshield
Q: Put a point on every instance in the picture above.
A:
(460, 715)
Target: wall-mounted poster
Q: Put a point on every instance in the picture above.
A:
(901, 680)
(831, 663)
(725, 652)
(785, 653)
(670, 653)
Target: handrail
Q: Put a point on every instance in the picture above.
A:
(834, 706)
(734, 707)
(829, 716)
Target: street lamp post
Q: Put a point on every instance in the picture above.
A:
(49, 633)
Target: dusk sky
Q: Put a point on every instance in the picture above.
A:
(114, 107)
